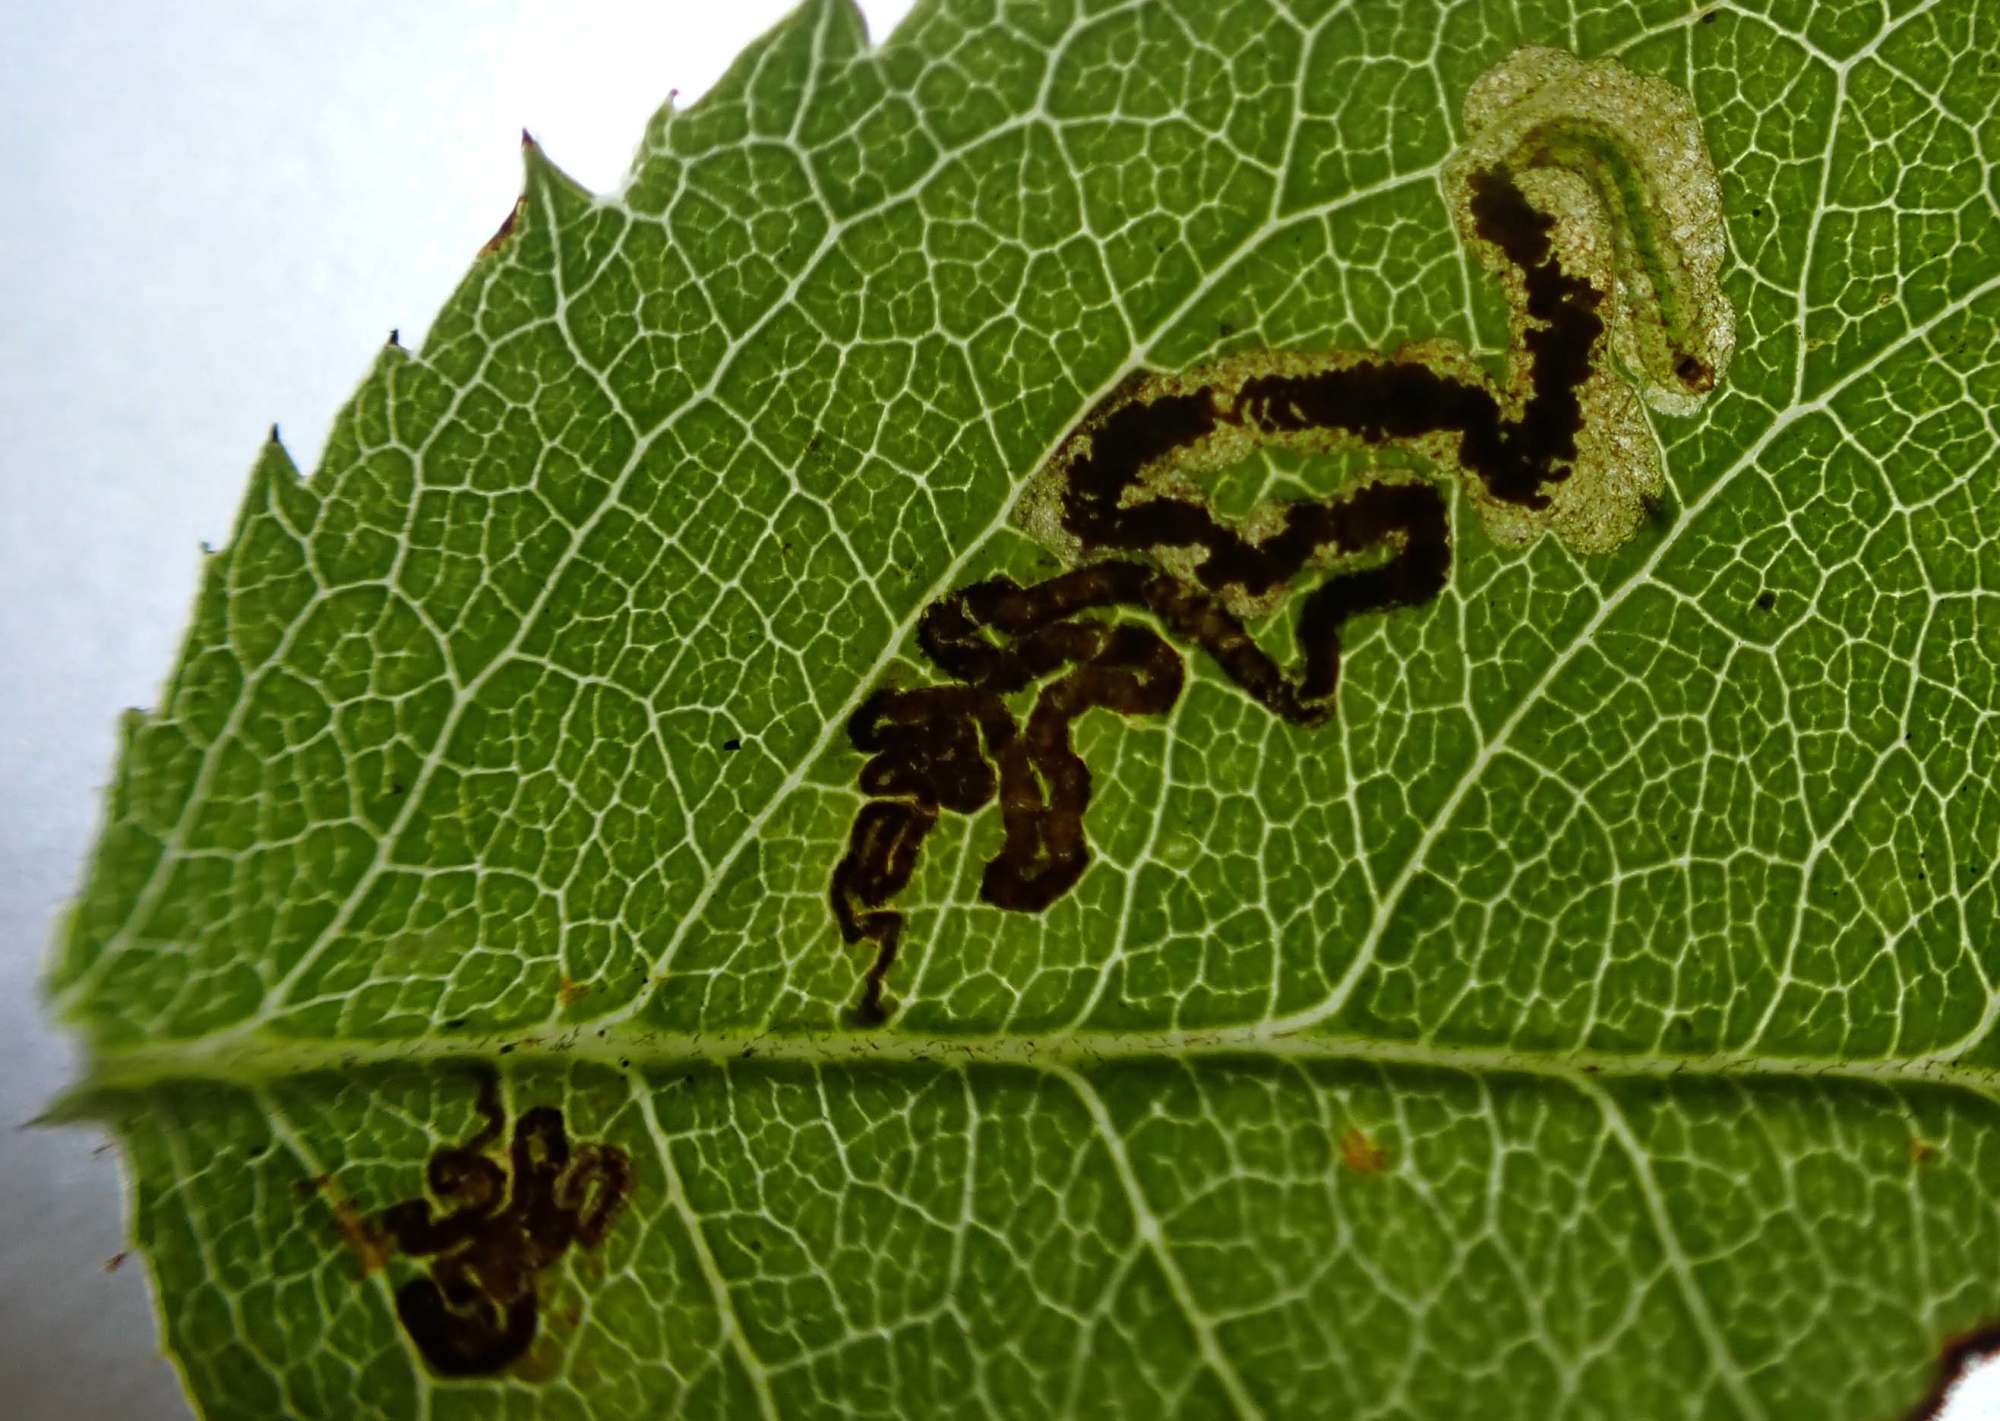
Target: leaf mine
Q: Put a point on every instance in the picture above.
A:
(1587, 192)
(475, 1310)
(1570, 993)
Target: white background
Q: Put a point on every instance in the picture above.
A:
(214, 212)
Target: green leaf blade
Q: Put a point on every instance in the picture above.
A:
(1593, 1017)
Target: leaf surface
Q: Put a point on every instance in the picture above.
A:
(1594, 1017)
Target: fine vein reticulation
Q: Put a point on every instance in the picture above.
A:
(955, 747)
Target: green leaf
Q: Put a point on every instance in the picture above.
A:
(1591, 1012)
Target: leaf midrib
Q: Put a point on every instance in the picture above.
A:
(262, 1061)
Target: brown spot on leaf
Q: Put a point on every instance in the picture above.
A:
(570, 993)
(358, 1235)
(1694, 373)
(1921, 1152)
(115, 1261)
(370, 1249)
(1361, 1154)
(499, 239)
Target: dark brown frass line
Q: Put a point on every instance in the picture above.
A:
(476, 1311)
(954, 747)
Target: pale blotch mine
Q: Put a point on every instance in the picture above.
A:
(1617, 159)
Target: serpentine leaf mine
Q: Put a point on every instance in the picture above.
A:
(1587, 191)
(475, 1311)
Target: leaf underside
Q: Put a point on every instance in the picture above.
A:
(1595, 1018)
